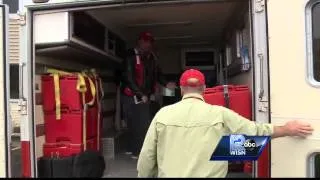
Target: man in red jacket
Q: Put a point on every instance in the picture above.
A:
(141, 74)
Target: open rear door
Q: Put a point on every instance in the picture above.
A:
(261, 77)
(5, 122)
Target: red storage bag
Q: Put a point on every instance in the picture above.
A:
(68, 129)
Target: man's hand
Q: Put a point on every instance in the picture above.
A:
(293, 128)
(152, 98)
(144, 99)
(171, 85)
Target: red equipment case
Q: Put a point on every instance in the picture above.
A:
(236, 98)
(70, 97)
(70, 127)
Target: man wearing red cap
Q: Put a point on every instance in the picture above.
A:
(183, 136)
(140, 77)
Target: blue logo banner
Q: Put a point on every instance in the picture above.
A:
(240, 148)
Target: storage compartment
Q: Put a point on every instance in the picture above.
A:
(79, 36)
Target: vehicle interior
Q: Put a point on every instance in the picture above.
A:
(214, 37)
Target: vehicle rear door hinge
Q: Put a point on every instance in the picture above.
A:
(259, 6)
(263, 105)
(22, 19)
(23, 106)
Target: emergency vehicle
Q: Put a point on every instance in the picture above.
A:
(271, 46)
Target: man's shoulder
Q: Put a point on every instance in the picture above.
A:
(167, 109)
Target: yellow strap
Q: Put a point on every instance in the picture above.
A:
(84, 123)
(92, 88)
(81, 84)
(57, 95)
(93, 91)
(55, 73)
(81, 87)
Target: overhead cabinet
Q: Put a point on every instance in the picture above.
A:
(76, 36)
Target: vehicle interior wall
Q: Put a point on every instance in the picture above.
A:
(244, 77)
(191, 25)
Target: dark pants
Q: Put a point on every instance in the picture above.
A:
(138, 118)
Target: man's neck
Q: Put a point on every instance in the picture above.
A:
(193, 95)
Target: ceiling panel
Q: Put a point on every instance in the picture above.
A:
(170, 24)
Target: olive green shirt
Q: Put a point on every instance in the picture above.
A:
(183, 136)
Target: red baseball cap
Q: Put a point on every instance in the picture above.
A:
(146, 36)
(192, 78)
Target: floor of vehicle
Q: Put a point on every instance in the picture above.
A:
(120, 167)
(123, 166)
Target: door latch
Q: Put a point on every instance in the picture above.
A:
(22, 18)
(263, 104)
(23, 106)
(259, 5)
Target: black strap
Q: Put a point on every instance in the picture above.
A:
(226, 96)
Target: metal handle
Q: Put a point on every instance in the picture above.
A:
(21, 65)
(261, 93)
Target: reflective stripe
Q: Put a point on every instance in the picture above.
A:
(137, 56)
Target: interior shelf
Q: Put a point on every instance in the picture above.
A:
(76, 52)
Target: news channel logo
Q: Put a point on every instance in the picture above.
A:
(240, 147)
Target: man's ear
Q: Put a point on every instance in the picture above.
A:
(181, 90)
(203, 89)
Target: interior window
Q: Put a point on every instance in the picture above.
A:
(316, 40)
(14, 81)
(13, 5)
